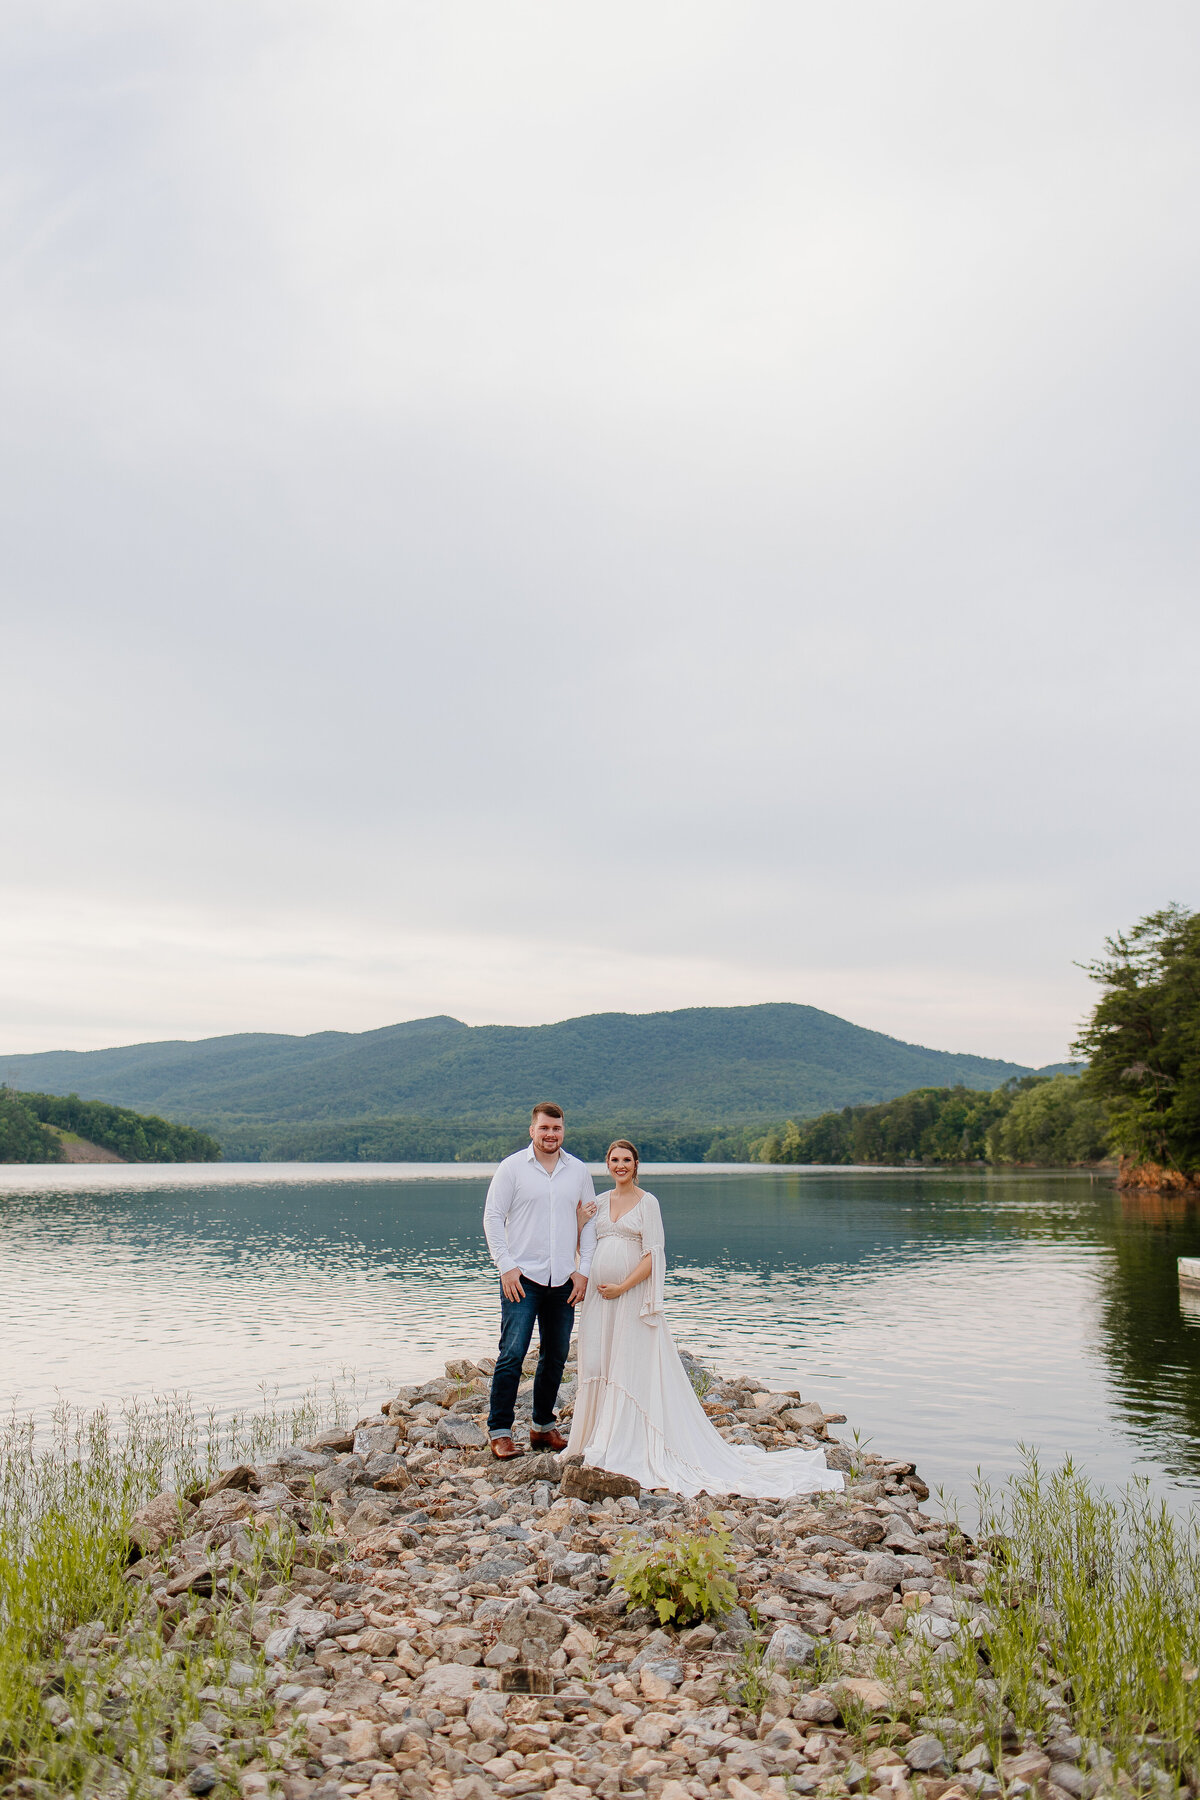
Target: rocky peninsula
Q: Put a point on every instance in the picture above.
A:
(419, 1620)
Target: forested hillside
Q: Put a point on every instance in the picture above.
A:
(693, 1073)
(1052, 1122)
(30, 1123)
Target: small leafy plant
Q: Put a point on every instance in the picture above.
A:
(748, 1683)
(684, 1575)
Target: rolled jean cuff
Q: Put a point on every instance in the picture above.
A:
(552, 1426)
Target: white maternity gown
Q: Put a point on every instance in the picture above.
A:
(636, 1412)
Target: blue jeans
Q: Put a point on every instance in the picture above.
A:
(551, 1308)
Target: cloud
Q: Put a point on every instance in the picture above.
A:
(596, 510)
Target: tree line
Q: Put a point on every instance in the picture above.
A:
(466, 1140)
(1034, 1119)
(30, 1125)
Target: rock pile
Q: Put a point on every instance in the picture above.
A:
(439, 1624)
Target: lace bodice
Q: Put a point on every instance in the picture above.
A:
(622, 1227)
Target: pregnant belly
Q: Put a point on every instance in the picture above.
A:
(614, 1258)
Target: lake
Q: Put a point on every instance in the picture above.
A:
(950, 1316)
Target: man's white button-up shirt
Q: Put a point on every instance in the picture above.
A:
(529, 1218)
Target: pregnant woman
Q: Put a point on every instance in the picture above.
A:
(636, 1412)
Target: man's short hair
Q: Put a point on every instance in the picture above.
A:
(549, 1108)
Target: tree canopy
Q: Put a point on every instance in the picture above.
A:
(134, 1137)
(1031, 1120)
(1142, 1042)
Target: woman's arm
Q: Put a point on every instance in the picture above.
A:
(612, 1290)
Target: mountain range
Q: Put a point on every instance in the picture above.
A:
(702, 1067)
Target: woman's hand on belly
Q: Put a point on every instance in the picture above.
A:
(611, 1290)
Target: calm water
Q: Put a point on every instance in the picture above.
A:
(949, 1316)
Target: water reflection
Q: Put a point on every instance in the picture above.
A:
(950, 1316)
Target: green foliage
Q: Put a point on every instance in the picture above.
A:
(928, 1125)
(22, 1139)
(1092, 1599)
(1055, 1123)
(701, 1380)
(695, 1072)
(684, 1575)
(1143, 1040)
(132, 1136)
(748, 1685)
(66, 1498)
(1051, 1121)
(452, 1140)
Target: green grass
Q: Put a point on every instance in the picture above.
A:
(1091, 1623)
(78, 1707)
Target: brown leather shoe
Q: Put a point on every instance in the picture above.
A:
(503, 1449)
(547, 1440)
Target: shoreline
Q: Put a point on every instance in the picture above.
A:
(384, 1610)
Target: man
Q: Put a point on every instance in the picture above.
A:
(532, 1231)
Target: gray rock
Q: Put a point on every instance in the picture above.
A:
(368, 1515)
(925, 1753)
(915, 1566)
(310, 1700)
(657, 1645)
(199, 1743)
(440, 1392)
(241, 1675)
(461, 1434)
(853, 1596)
(901, 1537)
(1067, 1775)
(977, 1757)
(203, 1779)
(812, 1587)
(369, 1440)
(888, 1570)
(561, 1599)
(282, 1642)
(160, 1522)
(332, 1442)
(789, 1648)
(929, 1627)
(496, 1568)
(296, 1459)
(492, 1610)
(815, 1708)
(565, 1564)
(542, 1466)
(666, 1668)
(485, 1715)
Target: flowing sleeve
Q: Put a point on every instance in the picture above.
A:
(654, 1242)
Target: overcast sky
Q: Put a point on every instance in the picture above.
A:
(519, 510)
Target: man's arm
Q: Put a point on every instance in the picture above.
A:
(495, 1219)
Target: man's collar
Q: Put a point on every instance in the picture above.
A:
(531, 1154)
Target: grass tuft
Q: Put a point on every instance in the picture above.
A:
(1088, 1624)
(91, 1692)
